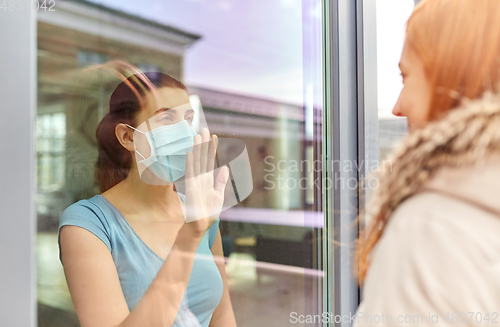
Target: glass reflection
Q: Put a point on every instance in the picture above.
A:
(265, 92)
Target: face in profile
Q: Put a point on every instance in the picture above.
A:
(414, 99)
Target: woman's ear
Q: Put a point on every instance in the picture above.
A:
(125, 136)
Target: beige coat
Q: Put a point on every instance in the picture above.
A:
(439, 255)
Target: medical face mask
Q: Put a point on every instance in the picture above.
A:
(169, 146)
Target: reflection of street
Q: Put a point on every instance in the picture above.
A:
(52, 287)
(260, 297)
(263, 298)
(55, 308)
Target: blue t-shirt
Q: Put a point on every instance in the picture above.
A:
(137, 264)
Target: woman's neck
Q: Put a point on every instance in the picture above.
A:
(135, 196)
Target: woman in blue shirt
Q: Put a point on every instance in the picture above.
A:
(129, 257)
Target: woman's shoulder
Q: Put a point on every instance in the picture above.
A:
(438, 210)
(91, 214)
(430, 228)
(86, 208)
(437, 248)
(84, 204)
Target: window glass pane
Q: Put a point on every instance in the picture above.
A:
(87, 58)
(391, 24)
(253, 68)
(50, 145)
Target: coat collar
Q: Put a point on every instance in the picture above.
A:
(478, 184)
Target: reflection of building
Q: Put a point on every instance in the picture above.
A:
(76, 35)
(272, 132)
(391, 132)
(80, 34)
(272, 221)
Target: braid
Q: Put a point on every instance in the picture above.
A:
(463, 137)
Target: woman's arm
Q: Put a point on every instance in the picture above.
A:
(92, 277)
(223, 315)
(95, 288)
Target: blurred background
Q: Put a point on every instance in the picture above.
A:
(256, 69)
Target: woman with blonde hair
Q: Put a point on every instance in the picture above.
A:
(431, 253)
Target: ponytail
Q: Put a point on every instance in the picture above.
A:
(113, 160)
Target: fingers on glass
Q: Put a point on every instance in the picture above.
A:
(189, 165)
(215, 141)
(197, 154)
(205, 137)
(221, 180)
(204, 153)
(211, 153)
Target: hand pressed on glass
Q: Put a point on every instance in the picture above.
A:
(204, 193)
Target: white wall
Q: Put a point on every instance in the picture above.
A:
(17, 218)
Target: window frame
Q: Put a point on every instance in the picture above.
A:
(350, 134)
(18, 226)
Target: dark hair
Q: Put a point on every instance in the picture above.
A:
(114, 161)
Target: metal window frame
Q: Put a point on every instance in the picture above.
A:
(368, 126)
(350, 134)
(17, 200)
